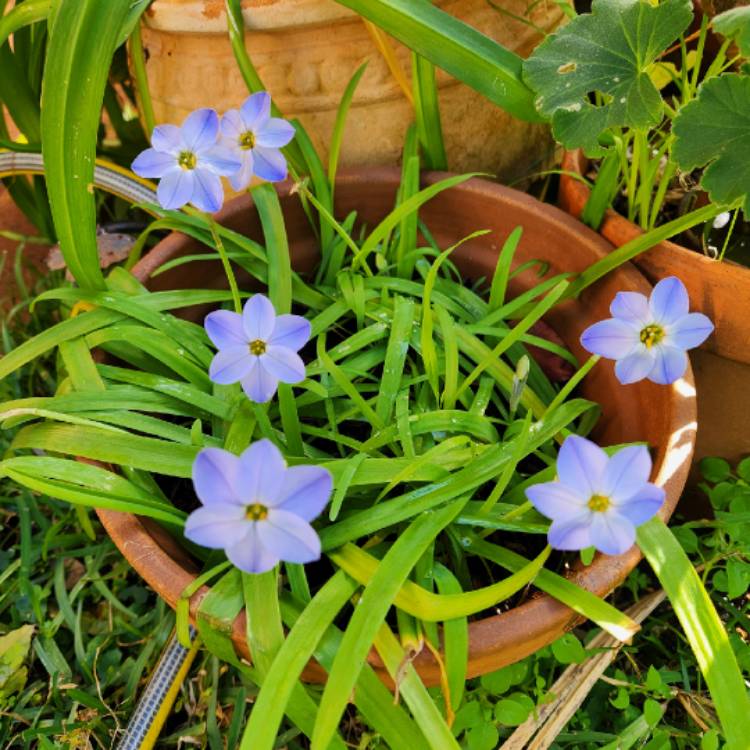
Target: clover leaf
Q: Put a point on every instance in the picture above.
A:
(735, 24)
(594, 73)
(713, 131)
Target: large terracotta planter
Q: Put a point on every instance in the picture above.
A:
(663, 416)
(719, 289)
(307, 50)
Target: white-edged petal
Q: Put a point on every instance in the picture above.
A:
(612, 338)
(221, 160)
(255, 110)
(208, 193)
(167, 138)
(555, 500)
(291, 331)
(243, 177)
(635, 366)
(581, 465)
(611, 533)
(259, 318)
(669, 301)
(643, 505)
(274, 133)
(284, 364)
(572, 533)
(214, 471)
(289, 537)
(626, 472)
(225, 329)
(631, 306)
(175, 188)
(270, 164)
(231, 125)
(262, 471)
(153, 164)
(259, 385)
(200, 129)
(216, 526)
(689, 331)
(305, 491)
(250, 554)
(231, 365)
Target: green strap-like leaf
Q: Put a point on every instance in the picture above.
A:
(459, 49)
(83, 39)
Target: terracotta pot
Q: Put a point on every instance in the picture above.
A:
(663, 416)
(720, 289)
(307, 50)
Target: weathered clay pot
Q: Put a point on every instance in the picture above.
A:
(719, 289)
(307, 50)
(662, 416)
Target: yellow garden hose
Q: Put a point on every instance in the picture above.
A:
(157, 700)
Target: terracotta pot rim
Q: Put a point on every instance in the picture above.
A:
(541, 614)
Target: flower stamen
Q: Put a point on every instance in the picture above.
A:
(187, 160)
(652, 334)
(599, 503)
(247, 140)
(256, 512)
(257, 347)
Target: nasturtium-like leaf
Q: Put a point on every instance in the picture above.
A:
(713, 131)
(735, 24)
(594, 73)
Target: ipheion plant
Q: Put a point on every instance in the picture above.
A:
(189, 161)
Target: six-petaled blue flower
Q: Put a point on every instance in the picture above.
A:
(258, 348)
(597, 501)
(649, 338)
(256, 508)
(188, 162)
(255, 138)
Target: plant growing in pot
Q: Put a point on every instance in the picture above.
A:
(627, 115)
(415, 431)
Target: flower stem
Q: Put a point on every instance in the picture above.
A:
(227, 265)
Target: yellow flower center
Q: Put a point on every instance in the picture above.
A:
(187, 160)
(256, 512)
(652, 334)
(257, 347)
(599, 503)
(247, 140)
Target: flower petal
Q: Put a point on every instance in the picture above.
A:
(631, 306)
(221, 160)
(167, 138)
(255, 110)
(214, 472)
(216, 526)
(669, 301)
(689, 331)
(153, 163)
(274, 133)
(626, 473)
(175, 188)
(611, 338)
(225, 329)
(250, 554)
(231, 125)
(284, 364)
(643, 505)
(289, 537)
(259, 318)
(262, 471)
(291, 331)
(270, 164)
(612, 533)
(259, 385)
(208, 193)
(555, 500)
(231, 365)
(581, 465)
(200, 129)
(670, 365)
(571, 534)
(242, 178)
(635, 366)
(305, 491)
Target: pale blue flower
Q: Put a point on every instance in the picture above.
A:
(188, 162)
(256, 508)
(255, 139)
(649, 337)
(597, 501)
(258, 348)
